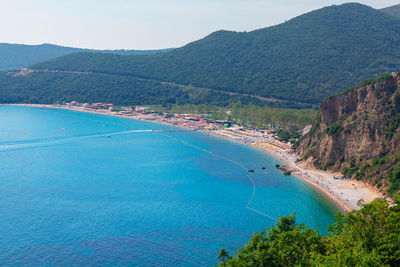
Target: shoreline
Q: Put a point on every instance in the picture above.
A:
(343, 193)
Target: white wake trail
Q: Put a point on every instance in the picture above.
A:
(42, 143)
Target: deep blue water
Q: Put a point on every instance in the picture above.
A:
(87, 189)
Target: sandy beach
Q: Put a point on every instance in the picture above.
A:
(344, 193)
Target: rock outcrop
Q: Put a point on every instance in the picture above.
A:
(358, 132)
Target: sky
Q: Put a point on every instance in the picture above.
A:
(144, 24)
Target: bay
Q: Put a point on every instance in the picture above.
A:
(88, 189)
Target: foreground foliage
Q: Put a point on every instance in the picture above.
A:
(368, 237)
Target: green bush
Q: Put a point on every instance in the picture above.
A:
(368, 237)
(378, 79)
(394, 178)
(334, 129)
(393, 127)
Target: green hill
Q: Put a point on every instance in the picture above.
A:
(58, 87)
(305, 59)
(14, 56)
(392, 11)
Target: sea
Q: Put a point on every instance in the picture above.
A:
(95, 190)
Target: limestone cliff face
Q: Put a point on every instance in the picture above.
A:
(356, 127)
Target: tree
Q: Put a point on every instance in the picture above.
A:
(368, 237)
(286, 244)
(223, 255)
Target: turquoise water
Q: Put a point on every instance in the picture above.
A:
(88, 189)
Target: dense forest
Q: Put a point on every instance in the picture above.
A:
(44, 87)
(14, 56)
(304, 59)
(368, 237)
(59, 87)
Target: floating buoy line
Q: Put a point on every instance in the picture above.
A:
(235, 163)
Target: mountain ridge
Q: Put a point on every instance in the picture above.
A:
(392, 11)
(305, 59)
(14, 56)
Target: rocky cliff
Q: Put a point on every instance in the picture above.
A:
(358, 133)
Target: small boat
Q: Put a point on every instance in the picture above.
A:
(262, 168)
(250, 170)
(109, 136)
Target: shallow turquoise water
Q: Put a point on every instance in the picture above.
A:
(88, 189)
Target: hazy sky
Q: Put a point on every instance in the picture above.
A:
(143, 24)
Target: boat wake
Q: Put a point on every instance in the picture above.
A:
(34, 143)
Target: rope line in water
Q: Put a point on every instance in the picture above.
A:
(235, 163)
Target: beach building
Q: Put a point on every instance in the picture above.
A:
(102, 105)
(305, 131)
(141, 109)
(74, 103)
(192, 118)
(223, 123)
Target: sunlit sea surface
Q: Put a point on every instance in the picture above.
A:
(87, 189)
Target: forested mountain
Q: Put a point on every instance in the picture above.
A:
(358, 133)
(305, 59)
(14, 56)
(58, 87)
(392, 10)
